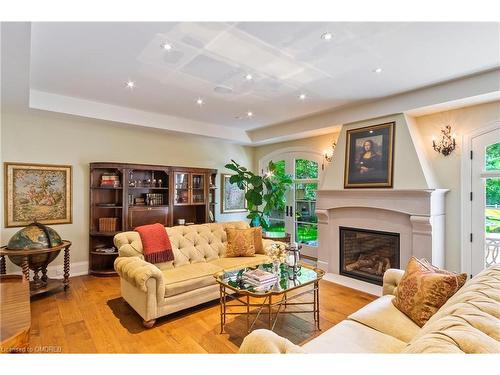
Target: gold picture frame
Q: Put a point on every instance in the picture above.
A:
(232, 198)
(369, 157)
(41, 192)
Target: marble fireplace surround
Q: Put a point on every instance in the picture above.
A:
(417, 215)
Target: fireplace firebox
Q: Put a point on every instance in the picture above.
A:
(367, 254)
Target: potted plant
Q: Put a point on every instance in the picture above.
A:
(263, 193)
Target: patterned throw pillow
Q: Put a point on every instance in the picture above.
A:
(240, 242)
(424, 288)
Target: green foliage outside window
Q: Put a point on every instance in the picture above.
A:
(306, 169)
(493, 189)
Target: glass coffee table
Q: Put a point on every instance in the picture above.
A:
(236, 294)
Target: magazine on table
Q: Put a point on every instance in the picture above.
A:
(259, 275)
(260, 283)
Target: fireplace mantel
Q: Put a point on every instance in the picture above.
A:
(418, 215)
(428, 202)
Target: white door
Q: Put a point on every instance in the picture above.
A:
(485, 199)
(299, 217)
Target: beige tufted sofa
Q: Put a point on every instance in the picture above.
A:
(155, 290)
(469, 322)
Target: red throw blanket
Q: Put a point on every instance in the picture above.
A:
(155, 243)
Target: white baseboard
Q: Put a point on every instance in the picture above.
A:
(354, 283)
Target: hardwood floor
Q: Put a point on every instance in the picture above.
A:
(91, 317)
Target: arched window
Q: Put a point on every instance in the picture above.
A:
(299, 217)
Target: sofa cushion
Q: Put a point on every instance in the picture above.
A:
(423, 289)
(240, 262)
(468, 330)
(352, 337)
(468, 322)
(190, 244)
(384, 317)
(189, 277)
(240, 242)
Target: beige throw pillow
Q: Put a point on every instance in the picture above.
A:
(424, 288)
(240, 242)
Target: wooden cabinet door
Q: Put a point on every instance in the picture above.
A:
(138, 216)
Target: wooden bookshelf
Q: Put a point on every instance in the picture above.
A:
(144, 194)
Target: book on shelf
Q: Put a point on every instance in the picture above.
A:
(110, 180)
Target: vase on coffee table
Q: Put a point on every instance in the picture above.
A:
(276, 267)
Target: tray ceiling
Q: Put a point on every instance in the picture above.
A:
(94, 61)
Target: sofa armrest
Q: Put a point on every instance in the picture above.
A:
(391, 279)
(263, 341)
(137, 272)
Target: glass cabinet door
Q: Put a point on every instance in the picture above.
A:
(198, 188)
(181, 188)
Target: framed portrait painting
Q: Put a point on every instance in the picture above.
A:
(232, 197)
(38, 192)
(369, 157)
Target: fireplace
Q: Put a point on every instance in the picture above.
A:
(367, 254)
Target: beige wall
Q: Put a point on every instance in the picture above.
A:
(319, 144)
(447, 168)
(407, 172)
(44, 137)
(444, 171)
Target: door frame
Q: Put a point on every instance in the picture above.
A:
(465, 190)
(302, 152)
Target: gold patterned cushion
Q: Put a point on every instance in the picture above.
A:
(424, 288)
(240, 242)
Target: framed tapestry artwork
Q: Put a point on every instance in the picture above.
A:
(369, 157)
(40, 192)
(232, 197)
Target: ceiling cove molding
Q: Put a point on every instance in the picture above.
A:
(86, 108)
(484, 85)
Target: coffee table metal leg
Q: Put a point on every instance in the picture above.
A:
(269, 308)
(248, 313)
(316, 285)
(220, 303)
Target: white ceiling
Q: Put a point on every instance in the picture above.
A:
(93, 61)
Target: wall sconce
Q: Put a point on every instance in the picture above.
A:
(447, 143)
(328, 153)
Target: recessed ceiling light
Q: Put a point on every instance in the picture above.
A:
(302, 96)
(377, 70)
(371, 131)
(130, 84)
(199, 101)
(166, 46)
(249, 114)
(327, 36)
(248, 77)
